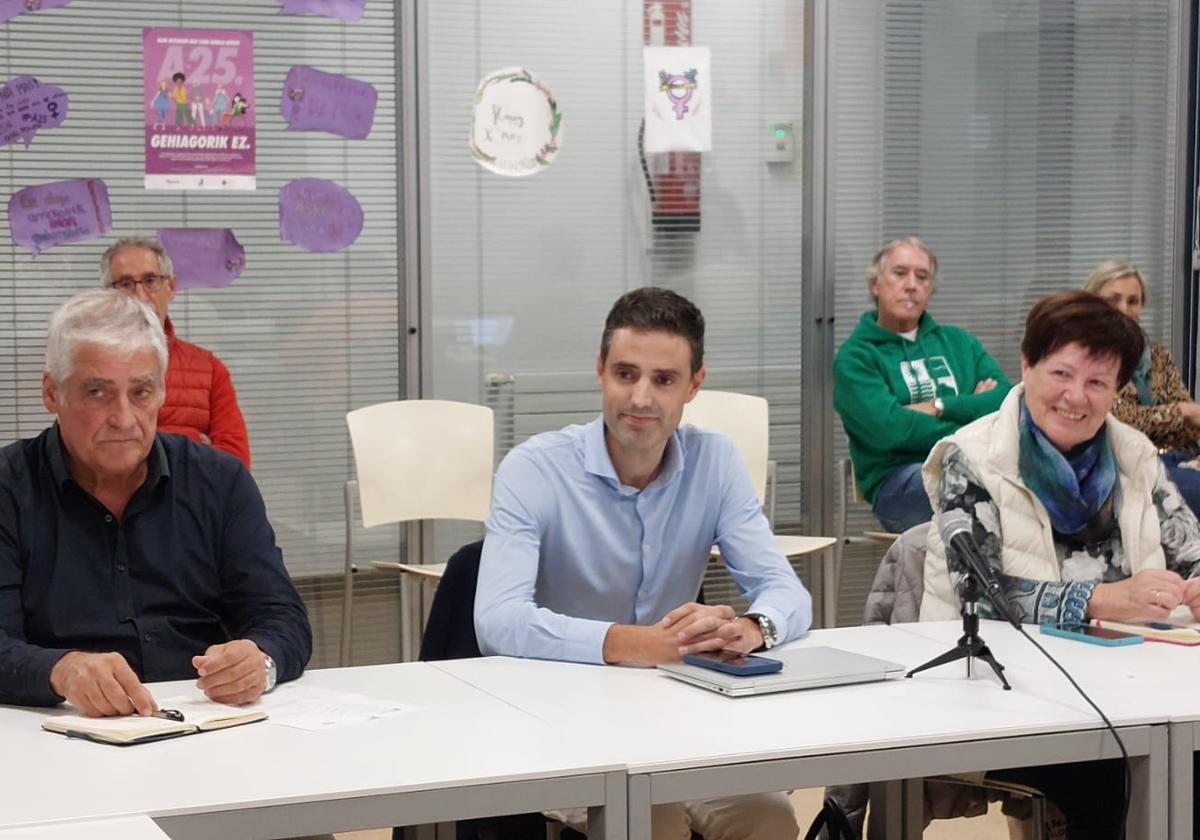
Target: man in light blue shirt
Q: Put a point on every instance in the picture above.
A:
(599, 535)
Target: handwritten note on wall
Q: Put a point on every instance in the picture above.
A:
(9, 9)
(517, 127)
(314, 100)
(203, 257)
(46, 215)
(347, 10)
(318, 215)
(27, 106)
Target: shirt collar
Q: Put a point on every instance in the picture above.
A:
(598, 462)
(157, 466)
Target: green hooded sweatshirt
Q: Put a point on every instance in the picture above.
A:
(877, 372)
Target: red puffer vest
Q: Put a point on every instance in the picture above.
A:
(200, 401)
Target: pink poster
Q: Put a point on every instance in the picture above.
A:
(198, 94)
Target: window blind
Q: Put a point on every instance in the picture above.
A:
(541, 259)
(306, 336)
(1024, 141)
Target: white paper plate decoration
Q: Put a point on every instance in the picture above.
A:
(517, 127)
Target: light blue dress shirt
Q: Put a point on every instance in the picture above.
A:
(570, 550)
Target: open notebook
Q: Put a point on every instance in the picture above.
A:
(198, 716)
(1156, 631)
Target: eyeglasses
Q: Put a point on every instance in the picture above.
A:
(152, 282)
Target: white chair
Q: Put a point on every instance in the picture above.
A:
(745, 419)
(852, 493)
(414, 460)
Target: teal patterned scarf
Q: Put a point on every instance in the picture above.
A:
(1074, 486)
(1141, 374)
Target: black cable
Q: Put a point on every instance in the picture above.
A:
(1120, 744)
(999, 601)
(645, 166)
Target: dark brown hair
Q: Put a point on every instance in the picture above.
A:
(1077, 317)
(652, 308)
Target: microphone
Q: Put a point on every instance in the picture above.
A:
(954, 527)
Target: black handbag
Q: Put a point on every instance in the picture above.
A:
(833, 820)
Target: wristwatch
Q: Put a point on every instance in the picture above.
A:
(766, 626)
(938, 406)
(272, 673)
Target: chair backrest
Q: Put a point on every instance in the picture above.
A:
(856, 494)
(450, 631)
(742, 417)
(422, 459)
(899, 583)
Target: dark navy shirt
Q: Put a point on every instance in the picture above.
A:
(193, 563)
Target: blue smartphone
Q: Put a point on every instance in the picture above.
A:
(1092, 635)
(738, 664)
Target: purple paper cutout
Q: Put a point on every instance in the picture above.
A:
(209, 258)
(46, 215)
(9, 9)
(318, 215)
(347, 10)
(27, 106)
(313, 100)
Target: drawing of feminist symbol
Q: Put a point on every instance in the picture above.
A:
(678, 88)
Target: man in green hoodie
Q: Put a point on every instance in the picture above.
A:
(902, 381)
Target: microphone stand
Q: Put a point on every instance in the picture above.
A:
(970, 646)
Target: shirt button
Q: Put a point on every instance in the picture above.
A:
(646, 547)
(120, 567)
(149, 637)
(108, 517)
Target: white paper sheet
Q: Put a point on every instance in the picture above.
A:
(305, 707)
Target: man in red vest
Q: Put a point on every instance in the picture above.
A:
(200, 402)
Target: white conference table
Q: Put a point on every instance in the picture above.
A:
(116, 828)
(1146, 682)
(679, 742)
(456, 754)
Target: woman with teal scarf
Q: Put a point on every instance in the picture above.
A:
(1052, 461)
(1072, 508)
(1155, 402)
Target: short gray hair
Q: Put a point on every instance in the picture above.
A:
(1111, 270)
(876, 267)
(165, 267)
(103, 317)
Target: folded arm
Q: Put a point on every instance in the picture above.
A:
(872, 413)
(970, 405)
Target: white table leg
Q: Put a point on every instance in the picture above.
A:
(638, 806)
(610, 820)
(1182, 749)
(1149, 802)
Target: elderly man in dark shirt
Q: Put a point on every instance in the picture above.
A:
(128, 555)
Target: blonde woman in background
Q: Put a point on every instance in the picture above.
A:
(1155, 402)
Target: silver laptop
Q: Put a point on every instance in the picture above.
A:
(813, 667)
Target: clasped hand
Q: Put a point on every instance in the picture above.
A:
(689, 628)
(699, 628)
(1151, 594)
